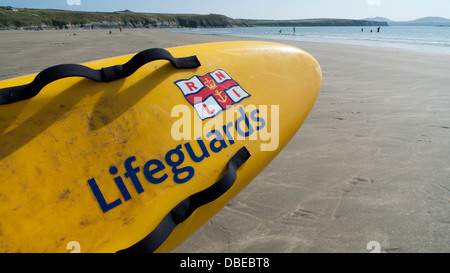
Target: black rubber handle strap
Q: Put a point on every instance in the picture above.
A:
(186, 207)
(107, 74)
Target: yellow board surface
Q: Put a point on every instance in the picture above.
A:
(142, 144)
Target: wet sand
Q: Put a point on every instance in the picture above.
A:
(371, 162)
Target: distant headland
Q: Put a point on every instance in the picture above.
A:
(425, 21)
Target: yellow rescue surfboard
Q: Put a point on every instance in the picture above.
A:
(135, 153)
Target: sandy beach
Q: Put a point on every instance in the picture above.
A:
(371, 162)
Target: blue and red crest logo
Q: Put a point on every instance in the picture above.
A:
(212, 93)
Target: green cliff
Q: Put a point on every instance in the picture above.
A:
(12, 18)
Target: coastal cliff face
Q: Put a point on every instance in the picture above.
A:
(36, 19)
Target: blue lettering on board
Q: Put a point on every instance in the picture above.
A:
(156, 171)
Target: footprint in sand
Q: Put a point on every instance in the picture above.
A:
(299, 215)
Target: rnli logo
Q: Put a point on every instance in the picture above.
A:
(212, 93)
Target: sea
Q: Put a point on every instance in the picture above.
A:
(421, 38)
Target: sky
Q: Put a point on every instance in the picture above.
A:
(397, 10)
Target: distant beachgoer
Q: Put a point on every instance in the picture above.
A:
(362, 29)
(110, 32)
(280, 30)
(378, 29)
(371, 31)
(294, 29)
(120, 28)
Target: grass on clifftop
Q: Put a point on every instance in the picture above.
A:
(16, 18)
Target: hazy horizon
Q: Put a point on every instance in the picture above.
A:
(400, 10)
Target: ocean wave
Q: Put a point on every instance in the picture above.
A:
(411, 37)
